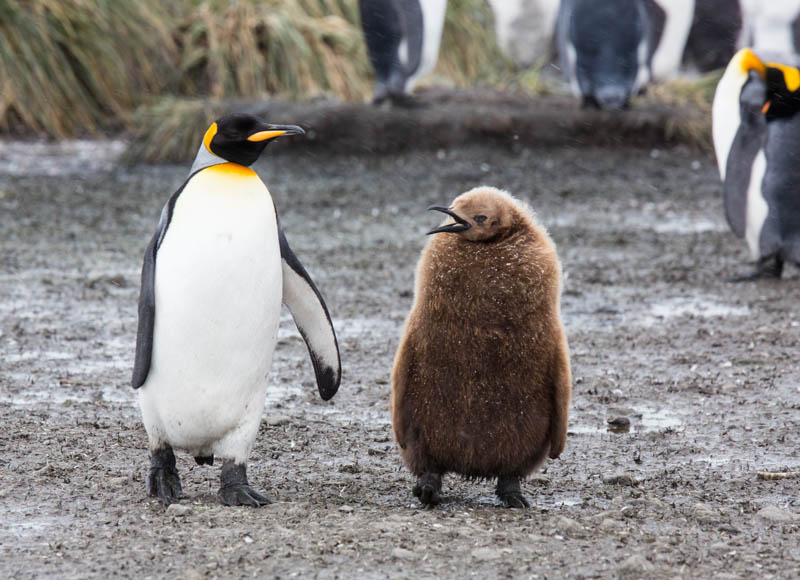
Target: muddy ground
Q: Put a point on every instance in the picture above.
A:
(705, 370)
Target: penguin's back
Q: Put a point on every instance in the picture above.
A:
(484, 353)
(218, 292)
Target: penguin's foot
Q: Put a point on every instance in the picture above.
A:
(163, 480)
(234, 488)
(769, 268)
(428, 488)
(509, 493)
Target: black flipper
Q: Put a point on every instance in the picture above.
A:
(311, 316)
(147, 294)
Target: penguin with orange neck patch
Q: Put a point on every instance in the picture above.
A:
(213, 280)
(755, 128)
(481, 381)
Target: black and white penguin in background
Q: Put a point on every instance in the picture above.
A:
(756, 131)
(214, 277)
(605, 50)
(771, 26)
(403, 38)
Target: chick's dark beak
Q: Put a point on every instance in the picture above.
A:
(458, 226)
(272, 131)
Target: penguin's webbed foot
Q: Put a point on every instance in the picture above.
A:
(234, 488)
(428, 488)
(769, 268)
(163, 480)
(509, 492)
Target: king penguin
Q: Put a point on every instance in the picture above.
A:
(755, 130)
(402, 38)
(605, 50)
(214, 276)
(481, 380)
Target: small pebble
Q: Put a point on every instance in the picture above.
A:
(620, 479)
(403, 554)
(486, 554)
(178, 510)
(778, 515)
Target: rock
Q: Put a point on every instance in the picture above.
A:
(192, 574)
(777, 515)
(178, 510)
(486, 554)
(719, 548)
(609, 525)
(703, 513)
(620, 479)
(634, 566)
(567, 526)
(403, 554)
(619, 424)
(276, 420)
(346, 509)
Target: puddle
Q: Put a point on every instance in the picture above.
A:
(75, 157)
(643, 419)
(689, 306)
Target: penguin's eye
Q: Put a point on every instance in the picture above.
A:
(479, 219)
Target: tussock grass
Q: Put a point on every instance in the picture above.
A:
(75, 66)
(469, 52)
(261, 48)
(692, 94)
(171, 130)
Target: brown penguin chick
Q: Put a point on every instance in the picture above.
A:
(481, 381)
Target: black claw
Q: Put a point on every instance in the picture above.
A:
(509, 493)
(768, 268)
(514, 500)
(234, 488)
(428, 489)
(163, 480)
(241, 495)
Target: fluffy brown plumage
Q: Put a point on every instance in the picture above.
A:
(481, 381)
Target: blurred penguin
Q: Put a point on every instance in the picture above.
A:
(772, 26)
(525, 29)
(481, 381)
(605, 50)
(403, 38)
(756, 133)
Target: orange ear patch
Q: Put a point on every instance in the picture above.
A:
(212, 131)
(791, 76)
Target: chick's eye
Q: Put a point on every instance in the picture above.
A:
(479, 219)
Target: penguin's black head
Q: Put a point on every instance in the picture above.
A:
(484, 214)
(783, 91)
(240, 138)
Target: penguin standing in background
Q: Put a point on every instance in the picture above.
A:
(214, 276)
(605, 50)
(481, 380)
(756, 131)
(403, 38)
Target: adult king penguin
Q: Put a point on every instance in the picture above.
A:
(481, 380)
(605, 49)
(403, 38)
(756, 133)
(214, 276)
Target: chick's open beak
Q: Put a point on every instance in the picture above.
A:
(272, 131)
(459, 225)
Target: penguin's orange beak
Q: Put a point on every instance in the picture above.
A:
(459, 225)
(272, 131)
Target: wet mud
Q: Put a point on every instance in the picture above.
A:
(685, 385)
